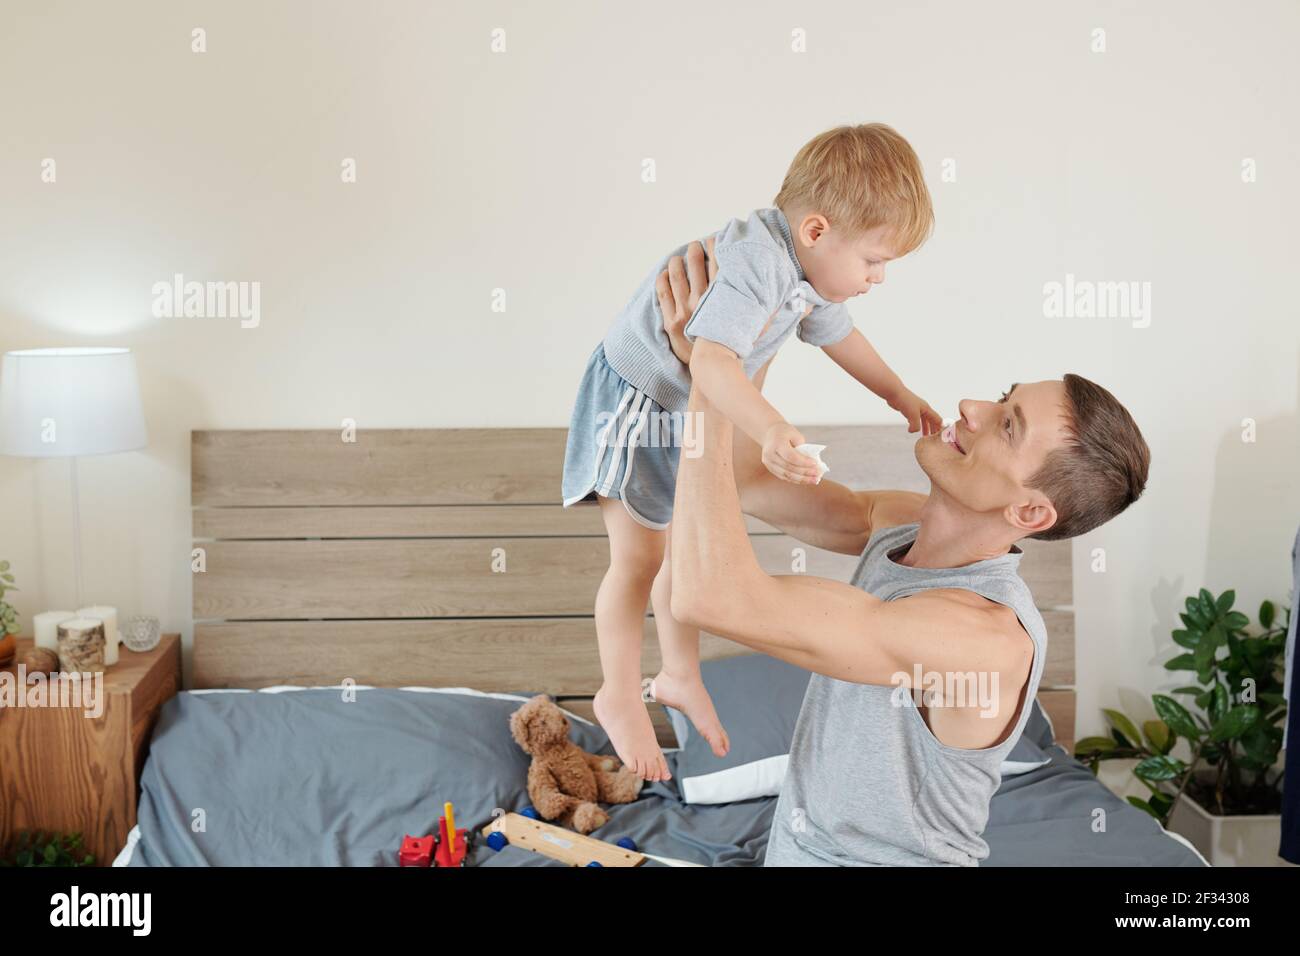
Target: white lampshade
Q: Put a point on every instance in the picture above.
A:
(60, 402)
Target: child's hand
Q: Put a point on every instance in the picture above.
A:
(917, 411)
(782, 459)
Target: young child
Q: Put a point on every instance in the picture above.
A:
(853, 199)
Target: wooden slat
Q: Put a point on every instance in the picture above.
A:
(383, 578)
(1046, 564)
(433, 521)
(1059, 705)
(392, 466)
(553, 655)
(426, 578)
(1058, 670)
(460, 466)
(1047, 568)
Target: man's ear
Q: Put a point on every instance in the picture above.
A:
(1031, 517)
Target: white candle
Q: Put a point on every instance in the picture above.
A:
(109, 616)
(46, 625)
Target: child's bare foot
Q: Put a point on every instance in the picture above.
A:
(690, 697)
(627, 722)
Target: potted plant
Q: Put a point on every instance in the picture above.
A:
(8, 616)
(1225, 798)
(48, 849)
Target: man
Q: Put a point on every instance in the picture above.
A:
(891, 763)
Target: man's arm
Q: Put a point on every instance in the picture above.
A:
(814, 623)
(826, 515)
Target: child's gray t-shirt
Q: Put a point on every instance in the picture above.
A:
(759, 277)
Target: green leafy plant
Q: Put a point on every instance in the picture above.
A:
(48, 849)
(8, 614)
(1234, 728)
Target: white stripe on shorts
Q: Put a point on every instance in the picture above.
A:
(633, 410)
(604, 435)
(631, 445)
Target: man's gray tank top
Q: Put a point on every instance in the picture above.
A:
(868, 783)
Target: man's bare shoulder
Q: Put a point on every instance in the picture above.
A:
(889, 509)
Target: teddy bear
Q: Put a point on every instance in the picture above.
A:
(564, 781)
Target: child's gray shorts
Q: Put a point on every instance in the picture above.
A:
(621, 444)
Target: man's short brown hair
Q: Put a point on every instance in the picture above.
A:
(1101, 470)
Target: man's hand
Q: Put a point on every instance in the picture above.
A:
(682, 284)
(917, 411)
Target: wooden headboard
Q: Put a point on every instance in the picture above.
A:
(442, 557)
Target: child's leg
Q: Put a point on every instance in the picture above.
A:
(679, 684)
(635, 555)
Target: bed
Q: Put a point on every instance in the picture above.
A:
(372, 607)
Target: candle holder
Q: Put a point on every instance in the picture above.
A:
(112, 637)
(81, 645)
(140, 632)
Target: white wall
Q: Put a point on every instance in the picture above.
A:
(522, 170)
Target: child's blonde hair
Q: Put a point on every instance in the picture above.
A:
(861, 178)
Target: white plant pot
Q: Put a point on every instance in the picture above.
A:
(1229, 841)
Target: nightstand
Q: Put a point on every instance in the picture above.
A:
(64, 771)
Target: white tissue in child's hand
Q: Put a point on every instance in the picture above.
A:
(814, 452)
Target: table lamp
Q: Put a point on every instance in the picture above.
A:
(69, 402)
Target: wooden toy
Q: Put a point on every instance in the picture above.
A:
(569, 847)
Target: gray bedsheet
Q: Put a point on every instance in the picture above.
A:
(304, 778)
(1046, 818)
